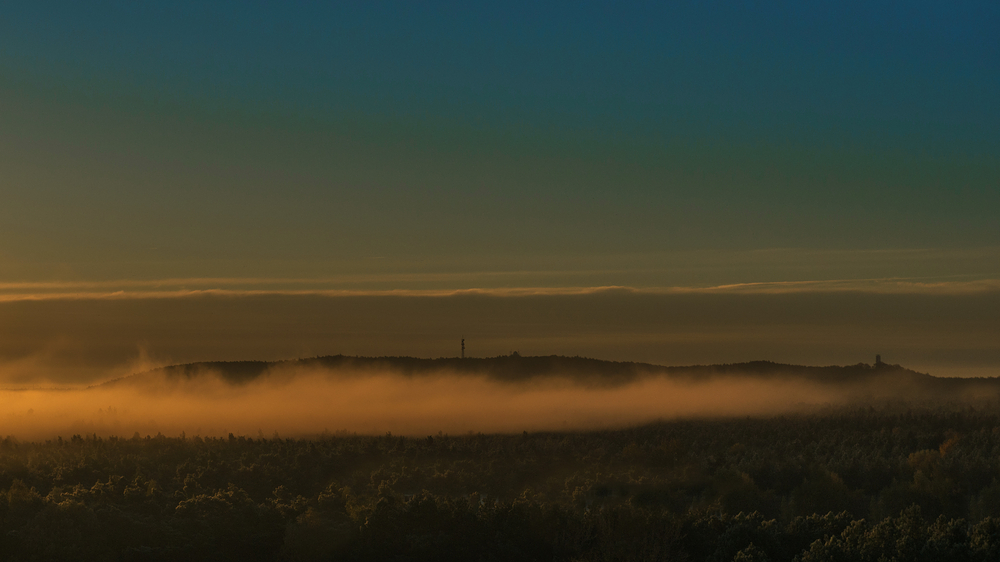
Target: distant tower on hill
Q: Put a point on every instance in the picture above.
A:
(463, 348)
(878, 360)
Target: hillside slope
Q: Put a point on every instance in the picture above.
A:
(516, 368)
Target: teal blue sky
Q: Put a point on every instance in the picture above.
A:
(811, 182)
(641, 141)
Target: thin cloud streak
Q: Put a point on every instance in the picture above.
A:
(906, 286)
(138, 291)
(222, 281)
(774, 270)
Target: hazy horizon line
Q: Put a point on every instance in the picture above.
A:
(277, 363)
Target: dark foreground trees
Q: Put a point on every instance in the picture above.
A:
(890, 484)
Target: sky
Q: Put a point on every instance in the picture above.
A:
(386, 162)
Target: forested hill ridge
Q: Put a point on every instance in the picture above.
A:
(517, 368)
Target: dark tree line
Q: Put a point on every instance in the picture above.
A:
(893, 483)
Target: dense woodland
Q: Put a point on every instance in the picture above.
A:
(893, 482)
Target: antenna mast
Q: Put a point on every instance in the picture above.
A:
(463, 348)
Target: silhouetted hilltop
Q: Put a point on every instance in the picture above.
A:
(595, 372)
(512, 368)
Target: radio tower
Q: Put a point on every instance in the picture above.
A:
(463, 348)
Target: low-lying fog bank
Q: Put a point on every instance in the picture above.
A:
(297, 401)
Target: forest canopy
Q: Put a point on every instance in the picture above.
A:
(895, 482)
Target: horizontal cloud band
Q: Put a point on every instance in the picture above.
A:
(11, 292)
